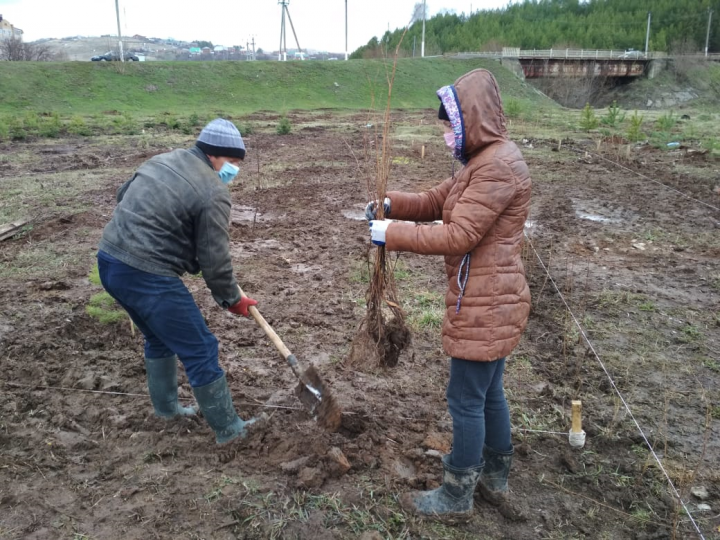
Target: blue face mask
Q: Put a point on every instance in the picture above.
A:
(228, 172)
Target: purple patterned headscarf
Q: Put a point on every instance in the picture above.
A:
(448, 97)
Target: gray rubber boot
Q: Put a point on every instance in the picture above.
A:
(451, 501)
(217, 407)
(162, 385)
(493, 484)
(494, 478)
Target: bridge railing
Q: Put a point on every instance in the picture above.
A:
(582, 54)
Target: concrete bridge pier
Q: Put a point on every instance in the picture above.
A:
(514, 65)
(655, 67)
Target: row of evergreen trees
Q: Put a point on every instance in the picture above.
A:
(545, 24)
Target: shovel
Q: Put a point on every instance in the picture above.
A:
(311, 390)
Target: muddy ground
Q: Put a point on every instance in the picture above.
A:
(82, 457)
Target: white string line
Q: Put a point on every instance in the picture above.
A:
(617, 390)
(540, 431)
(577, 150)
(40, 387)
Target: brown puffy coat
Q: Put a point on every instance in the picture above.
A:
(483, 209)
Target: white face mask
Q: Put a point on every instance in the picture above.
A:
(450, 140)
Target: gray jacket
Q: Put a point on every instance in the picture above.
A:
(172, 217)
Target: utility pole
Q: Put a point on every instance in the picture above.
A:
(707, 38)
(647, 35)
(283, 38)
(422, 45)
(253, 44)
(247, 50)
(346, 31)
(117, 13)
(282, 35)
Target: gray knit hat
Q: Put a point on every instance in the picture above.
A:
(221, 138)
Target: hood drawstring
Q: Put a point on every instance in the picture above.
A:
(462, 279)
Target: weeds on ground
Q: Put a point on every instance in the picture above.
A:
(690, 334)
(247, 129)
(426, 311)
(102, 306)
(78, 126)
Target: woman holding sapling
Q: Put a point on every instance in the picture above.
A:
(483, 208)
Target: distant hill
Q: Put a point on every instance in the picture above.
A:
(544, 24)
(83, 48)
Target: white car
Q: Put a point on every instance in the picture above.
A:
(632, 55)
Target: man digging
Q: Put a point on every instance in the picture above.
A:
(172, 217)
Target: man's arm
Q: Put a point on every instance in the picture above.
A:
(212, 244)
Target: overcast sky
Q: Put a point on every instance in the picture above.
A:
(320, 24)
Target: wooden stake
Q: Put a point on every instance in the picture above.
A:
(576, 417)
(422, 153)
(132, 328)
(576, 437)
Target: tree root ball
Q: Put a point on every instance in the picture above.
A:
(369, 349)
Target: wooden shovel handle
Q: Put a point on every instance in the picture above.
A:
(279, 345)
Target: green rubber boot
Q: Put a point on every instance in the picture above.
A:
(162, 384)
(453, 501)
(217, 407)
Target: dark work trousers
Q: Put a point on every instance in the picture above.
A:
(480, 413)
(167, 315)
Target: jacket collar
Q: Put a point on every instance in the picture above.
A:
(195, 151)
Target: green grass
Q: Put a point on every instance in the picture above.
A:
(82, 88)
(102, 307)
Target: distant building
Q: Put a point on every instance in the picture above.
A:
(7, 30)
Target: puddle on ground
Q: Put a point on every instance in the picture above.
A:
(354, 214)
(245, 250)
(243, 214)
(304, 268)
(599, 212)
(595, 218)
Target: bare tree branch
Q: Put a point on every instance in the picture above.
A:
(15, 50)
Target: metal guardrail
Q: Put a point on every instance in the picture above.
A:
(580, 54)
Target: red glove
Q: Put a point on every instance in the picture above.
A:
(241, 308)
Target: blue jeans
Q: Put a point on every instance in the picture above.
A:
(480, 413)
(165, 312)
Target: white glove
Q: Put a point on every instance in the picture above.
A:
(371, 209)
(377, 230)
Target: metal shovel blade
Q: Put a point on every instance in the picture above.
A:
(316, 397)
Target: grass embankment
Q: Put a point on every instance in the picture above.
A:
(86, 88)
